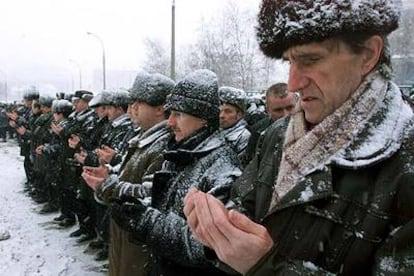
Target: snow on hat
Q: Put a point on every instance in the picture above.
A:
(284, 23)
(83, 95)
(119, 97)
(46, 101)
(100, 99)
(31, 95)
(233, 96)
(62, 106)
(151, 88)
(197, 94)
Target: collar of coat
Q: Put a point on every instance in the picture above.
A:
(82, 116)
(121, 120)
(183, 156)
(234, 132)
(365, 130)
(152, 134)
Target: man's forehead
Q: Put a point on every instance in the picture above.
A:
(227, 106)
(277, 99)
(309, 49)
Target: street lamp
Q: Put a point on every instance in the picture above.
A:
(103, 57)
(5, 84)
(80, 72)
(172, 74)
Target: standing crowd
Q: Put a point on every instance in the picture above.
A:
(190, 178)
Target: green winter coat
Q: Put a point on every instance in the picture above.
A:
(144, 158)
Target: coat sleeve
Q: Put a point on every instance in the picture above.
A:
(271, 265)
(396, 255)
(114, 188)
(168, 232)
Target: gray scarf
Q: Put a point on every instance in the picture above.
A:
(366, 129)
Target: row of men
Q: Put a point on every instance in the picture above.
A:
(118, 140)
(329, 189)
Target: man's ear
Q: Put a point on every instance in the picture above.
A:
(159, 110)
(373, 50)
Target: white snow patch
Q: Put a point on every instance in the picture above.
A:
(306, 194)
(33, 247)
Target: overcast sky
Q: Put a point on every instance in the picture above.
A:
(44, 35)
(40, 37)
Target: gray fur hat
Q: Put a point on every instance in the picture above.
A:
(46, 101)
(100, 99)
(233, 96)
(197, 94)
(83, 95)
(284, 23)
(119, 97)
(151, 88)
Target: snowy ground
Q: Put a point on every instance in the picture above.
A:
(35, 246)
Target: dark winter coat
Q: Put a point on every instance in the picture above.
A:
(256, 132)
(95, 140)
(348, 223)
(4, 120)
(53, 151)
(113, 137)
(238, 137)
(27, 120)
(101, 126)
(209, 165)
(41, 134)
(81, 124)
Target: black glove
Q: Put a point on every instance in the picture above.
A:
(127, 214)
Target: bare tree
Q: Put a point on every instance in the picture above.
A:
(226, 44)
(157, 58)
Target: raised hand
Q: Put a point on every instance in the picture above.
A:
(237, 240)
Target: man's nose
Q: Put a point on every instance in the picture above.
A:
(297, 80)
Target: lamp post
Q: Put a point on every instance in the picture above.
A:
(103, 57)
(80, 72)
(172, 73)
(5, 84)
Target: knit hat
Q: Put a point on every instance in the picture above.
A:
(151, 88)
(100, 99)
(197, 94)
(284, 23)
(233, 96)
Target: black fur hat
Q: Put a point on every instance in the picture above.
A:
(286, 23)
(83, 95)
(197, 94)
